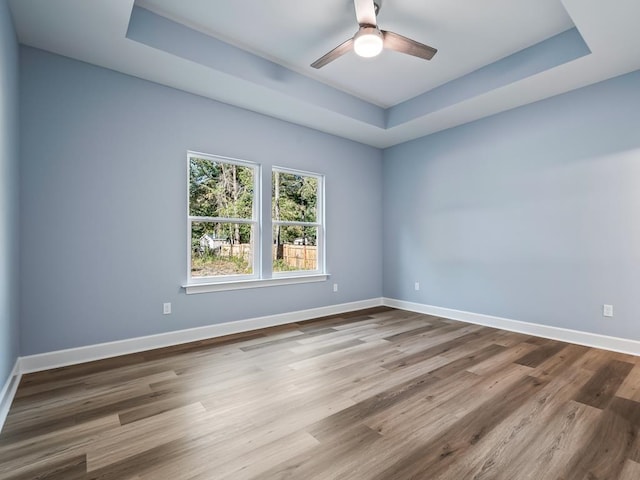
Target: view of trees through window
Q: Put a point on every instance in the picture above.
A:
(223, 218)
(294, 205)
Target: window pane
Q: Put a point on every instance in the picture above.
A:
(221, 249)
(218, 189)
(294, 248)
(294, 197)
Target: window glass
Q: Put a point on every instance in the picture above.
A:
(296, 201)
(222, 217)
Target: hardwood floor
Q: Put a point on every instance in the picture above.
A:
(379, 394)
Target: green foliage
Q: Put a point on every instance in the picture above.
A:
(294, 198)
(218, 189)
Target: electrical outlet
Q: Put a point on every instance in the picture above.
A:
(607, 310)
(416, 286)
(166, 308)
(335, 287)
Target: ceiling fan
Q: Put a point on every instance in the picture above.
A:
(369, 40)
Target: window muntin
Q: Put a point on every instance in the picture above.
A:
(296, 208)
(223, 219)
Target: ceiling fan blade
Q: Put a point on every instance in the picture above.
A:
(393, 41)
(365, 12)
(333, 54)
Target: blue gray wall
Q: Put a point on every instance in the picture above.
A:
(8, 194)
(531, 215)
(103, 239)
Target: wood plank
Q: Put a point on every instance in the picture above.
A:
(559, 362)
(469, 359)
(549, 420)
(435, 456)
(339, 446)
(70, 469)
(604, 384)
(608, 444)
(631, 471)
(498, 361)
(548, 349)
(438, 349)
(128, 440)
(410, 333)
(291, 337)
(59, 446)
(197, 459)
(630, 388)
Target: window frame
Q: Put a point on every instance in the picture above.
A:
(262, 276)
(254, 221)
(319, 224)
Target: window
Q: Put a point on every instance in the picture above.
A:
(296, 209)
(223, 225)
(226, 238)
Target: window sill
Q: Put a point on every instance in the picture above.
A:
(192, 288)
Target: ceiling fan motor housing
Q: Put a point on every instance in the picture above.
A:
(368, 41)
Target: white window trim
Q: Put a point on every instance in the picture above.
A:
(256, 251)
(319, 224)
(195, 285)
(192, 288)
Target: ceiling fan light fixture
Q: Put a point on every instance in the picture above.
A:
(368, 42)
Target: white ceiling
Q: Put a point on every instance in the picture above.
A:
(360, 99)
(468, 34)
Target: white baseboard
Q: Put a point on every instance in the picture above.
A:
(605, 342)
(9, 391)
(72, 356)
